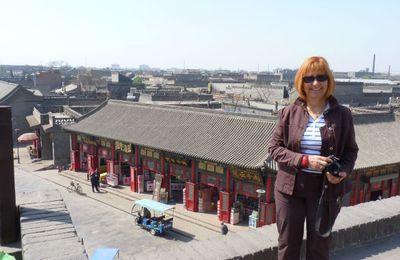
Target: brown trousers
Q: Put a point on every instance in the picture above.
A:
(291, 211)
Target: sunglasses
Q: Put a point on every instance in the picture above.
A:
(319, 78)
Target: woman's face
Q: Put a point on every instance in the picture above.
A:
(315, 85)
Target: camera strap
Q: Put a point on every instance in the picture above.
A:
(324, 207)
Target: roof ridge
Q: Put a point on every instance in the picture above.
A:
(191, 109)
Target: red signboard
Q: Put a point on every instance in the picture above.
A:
(225, 206)
(191, 198)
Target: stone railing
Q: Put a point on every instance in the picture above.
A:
(58, 121)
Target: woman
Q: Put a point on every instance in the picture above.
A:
(308, 132)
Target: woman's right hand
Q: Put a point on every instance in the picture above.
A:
(318, 162)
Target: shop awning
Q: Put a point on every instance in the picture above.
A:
(27, 137)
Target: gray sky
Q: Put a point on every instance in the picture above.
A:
(207, 34)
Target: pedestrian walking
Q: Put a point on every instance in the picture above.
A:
(97, 180)
(89, 174)
(94, 180)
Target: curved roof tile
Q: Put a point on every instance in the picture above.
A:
(215, 136)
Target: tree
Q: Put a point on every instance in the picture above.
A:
(137, 82)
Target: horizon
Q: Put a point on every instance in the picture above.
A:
(177, 69)
(224, 35)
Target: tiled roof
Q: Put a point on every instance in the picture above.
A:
(378, 138)
(6, 89)
(215, 136)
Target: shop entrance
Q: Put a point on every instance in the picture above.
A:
(125, 173)
(148, 182)
(177, 186)
(83, 160)
(178, 178)
(208, 199)
(102, 165)
(245, 205)
(376, 195)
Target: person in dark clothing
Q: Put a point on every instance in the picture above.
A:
(95, 180)
(308, 133)
(146, 213)
(224, 229)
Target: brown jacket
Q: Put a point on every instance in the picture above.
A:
(337, 135)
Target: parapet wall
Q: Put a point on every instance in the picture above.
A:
(354, 226)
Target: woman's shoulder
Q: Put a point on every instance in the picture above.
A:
(344, 109)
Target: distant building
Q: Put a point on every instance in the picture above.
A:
(119, 86)
(70, 89)
(267, 77)
(192, 79)
(21, 100)
(357, 92)
(115, 67)
(144, 67)
(90, 80)
(46, 121)
(46, 81)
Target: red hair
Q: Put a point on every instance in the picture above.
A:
(314, 64)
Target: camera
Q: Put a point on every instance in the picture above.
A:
(334, 168)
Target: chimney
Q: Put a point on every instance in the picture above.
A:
(373, 66)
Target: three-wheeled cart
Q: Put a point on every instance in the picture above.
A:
(152, 215)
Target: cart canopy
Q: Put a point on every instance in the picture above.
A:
(154, 205)
(105, 254)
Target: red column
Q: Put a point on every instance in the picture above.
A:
(193, 171)
(74, 142)
(398, 185)
(75, 160)
(228, 179)
(354, 199)
(113, 151)
(166, 179)
(268, 189)
(136, 156)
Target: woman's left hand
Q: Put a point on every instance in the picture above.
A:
(335, 180)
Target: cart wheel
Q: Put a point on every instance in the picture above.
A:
(132, 210)
(153, 232)
(137, 221)
(79, 190)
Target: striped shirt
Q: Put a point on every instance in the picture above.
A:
(310, 143)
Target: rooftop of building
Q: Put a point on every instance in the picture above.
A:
(226, 138)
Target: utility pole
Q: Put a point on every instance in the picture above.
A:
(8, 212)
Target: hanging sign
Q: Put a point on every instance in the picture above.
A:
(178, 161)
(150, 153)
(127, 148)
(247, 175)
(211, 167)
